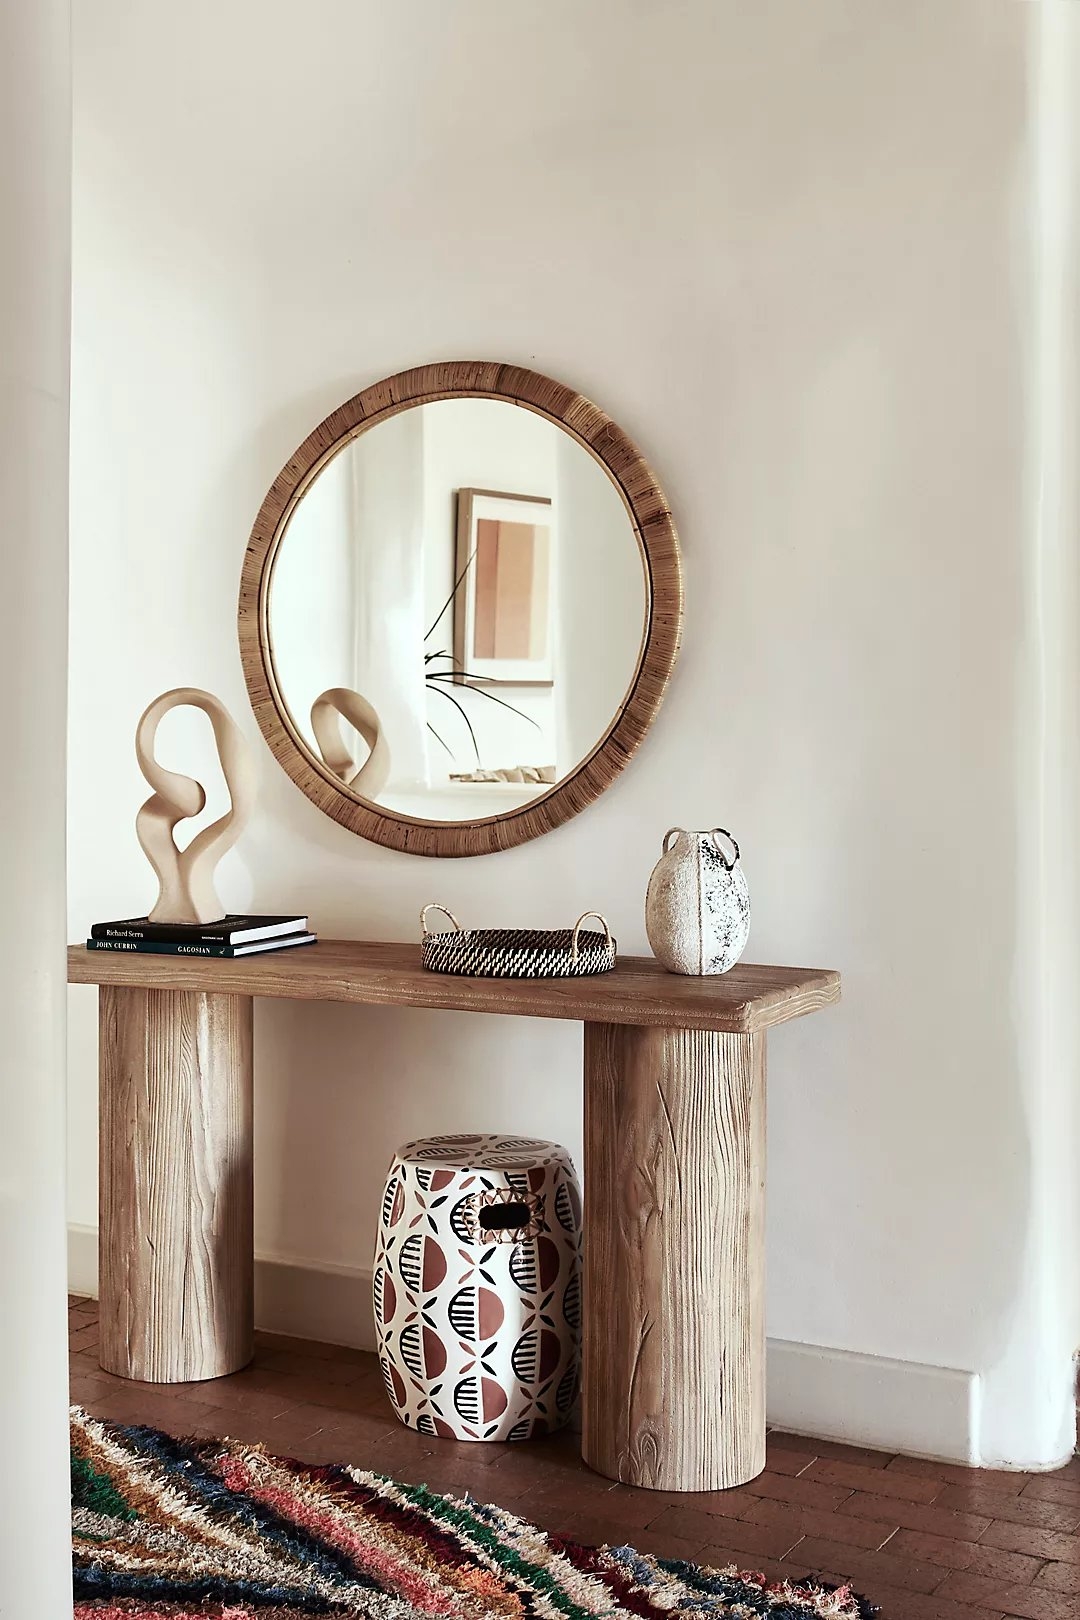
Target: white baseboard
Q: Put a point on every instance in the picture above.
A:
(832, 1394)
(82, 1260)
(873, 1401)
(310, 1301)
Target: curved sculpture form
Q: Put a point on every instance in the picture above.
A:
(341, 702)
(187, 893)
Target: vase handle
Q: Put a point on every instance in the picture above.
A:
(723, 832)
(672, 832)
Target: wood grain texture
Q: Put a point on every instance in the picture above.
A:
(653, 526)
(638, 991)
(175, 1235)
(674, 1328)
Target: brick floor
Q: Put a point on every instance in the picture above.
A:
(927, 1541)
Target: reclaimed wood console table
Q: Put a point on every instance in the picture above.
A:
(674, 1321)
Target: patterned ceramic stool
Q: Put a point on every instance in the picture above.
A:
(478, 1286)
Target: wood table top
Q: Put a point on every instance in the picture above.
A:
(377, 973)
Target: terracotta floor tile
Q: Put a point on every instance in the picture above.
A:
(658, 1546)
(359, 1395)
(86, 1385)
(1050, 1488)
(1005, 1480)
(197, 1390)
(328, 1369)
(1023, 1509)
(598, 1533)
(916, 1515)
(641, 1506)
(780, 1460)
(88, 1361)
(397, 1447)
(1026, 1538)
(806, 1492)
(896, 1604)
(537, 1461)
(627, 1512)
(1068, 1470)
(1011, 1567)
(691, 1525)
(236, 1395)
(309, 1347)
(836, 1449)
(803, 1521)
(276, 1434)
(881, 1481)
(585, 1492)
(169, 1412)
(863, 1567)
(353, 1446)
(1030, 1602)
(1060, 1578)
(733, 1504)
(458, 1477)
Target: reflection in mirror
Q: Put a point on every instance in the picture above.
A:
(457, 609)
(371, 777)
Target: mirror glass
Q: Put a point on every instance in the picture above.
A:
(457, 609)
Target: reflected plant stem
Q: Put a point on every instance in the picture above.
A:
(477, 683)
(440, 741)
(442, 690)
(458, 676)
(453, 593)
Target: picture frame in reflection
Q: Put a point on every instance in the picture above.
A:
(505, 588)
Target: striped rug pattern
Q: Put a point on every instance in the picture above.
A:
(210, 1528)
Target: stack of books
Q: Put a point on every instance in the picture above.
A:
(232, 936)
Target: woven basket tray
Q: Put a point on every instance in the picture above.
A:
(517, 953)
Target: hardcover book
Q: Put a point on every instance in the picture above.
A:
(199, 947)
(235, 930)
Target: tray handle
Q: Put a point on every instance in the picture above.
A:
(434, 906)
(585, 915)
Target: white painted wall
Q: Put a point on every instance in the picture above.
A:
(788, 247)
(35, 177)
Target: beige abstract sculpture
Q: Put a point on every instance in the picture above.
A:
(327, 711)
(187, 893)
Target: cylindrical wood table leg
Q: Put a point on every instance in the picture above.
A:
(175, 1244)
(674, 1341)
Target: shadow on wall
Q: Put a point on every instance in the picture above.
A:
(339, 1088)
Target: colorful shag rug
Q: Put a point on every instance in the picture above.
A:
(200, 1528)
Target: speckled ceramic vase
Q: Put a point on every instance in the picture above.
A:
(697, 909)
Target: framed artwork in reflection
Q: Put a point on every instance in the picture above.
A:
(503, 606)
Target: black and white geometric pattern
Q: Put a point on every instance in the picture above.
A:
(518, 953)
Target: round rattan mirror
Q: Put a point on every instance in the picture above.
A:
(460, 607)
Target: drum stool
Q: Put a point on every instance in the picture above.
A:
(478, 1286)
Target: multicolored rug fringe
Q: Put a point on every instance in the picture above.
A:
(194, 1529)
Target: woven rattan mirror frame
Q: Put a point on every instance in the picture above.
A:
(648, 511)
